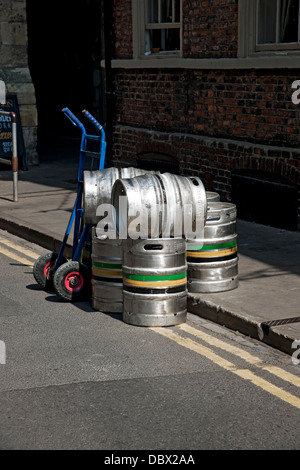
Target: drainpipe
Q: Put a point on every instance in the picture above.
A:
(108, 7)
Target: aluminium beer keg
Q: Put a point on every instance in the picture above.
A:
(97, 186)
(213, 260)
(167, 206)
(107, 286)
(212, 196)
(154, 282)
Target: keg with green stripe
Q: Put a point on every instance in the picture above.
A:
(107, 286)
(213, 260)
(154, 282)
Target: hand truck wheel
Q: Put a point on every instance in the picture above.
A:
(72, 281)
(43, 269)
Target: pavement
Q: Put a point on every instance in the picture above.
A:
(265, 305)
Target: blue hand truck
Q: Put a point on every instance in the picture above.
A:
(71, 279)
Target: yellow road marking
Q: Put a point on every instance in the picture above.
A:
(282, 374)
(12, 255)
(26, 252)
(243, 373)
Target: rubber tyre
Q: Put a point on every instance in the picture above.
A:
(42, 269)
(72, 281)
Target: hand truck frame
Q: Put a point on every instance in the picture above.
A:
(71, 279)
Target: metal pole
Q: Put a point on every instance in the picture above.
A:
(14, 160)
(109, 86)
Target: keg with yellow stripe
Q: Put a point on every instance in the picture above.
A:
(107, 286)
(213, 260)
(154, 282)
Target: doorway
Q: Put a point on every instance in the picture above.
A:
(64, 54)
(265, 198)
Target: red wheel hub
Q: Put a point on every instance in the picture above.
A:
(47, 270)
(74, 282)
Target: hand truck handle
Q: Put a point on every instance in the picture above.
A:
(72, 118)
(92, 120)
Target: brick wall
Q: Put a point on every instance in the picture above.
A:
(213, 121)
(212, 159)
(123, 33)
(210, 28)
(254, 106)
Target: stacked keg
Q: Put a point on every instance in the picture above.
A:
(212, 196)
(107, 285)
(169, 205)
(107, 249)
(213, 259)
(154, 267)
(97, 186)
(154, 282)
(168, 238)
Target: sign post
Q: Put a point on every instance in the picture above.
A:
(14, 160)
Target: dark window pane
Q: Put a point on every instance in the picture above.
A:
(289, 14)
(166, 11)
(266, 21)
(172, 40)
(155, 39)
(284, 20)
(177, 11)
(152, 11)
(164, 39)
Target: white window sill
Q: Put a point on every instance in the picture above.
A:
(269, 62)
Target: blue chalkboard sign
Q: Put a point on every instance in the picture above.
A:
(12, 105)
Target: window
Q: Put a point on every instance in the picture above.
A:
(157, 27)
(162, 29)
(269, 27)
(278, 23)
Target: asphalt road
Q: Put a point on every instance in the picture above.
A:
(75, 378)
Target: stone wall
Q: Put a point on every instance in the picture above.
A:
(14, 69)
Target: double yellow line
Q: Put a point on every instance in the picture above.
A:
(19, 249)
(198, 348)
(245, 374)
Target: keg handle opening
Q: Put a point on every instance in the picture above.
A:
(212, 215)
(194, 181)
(153, 247)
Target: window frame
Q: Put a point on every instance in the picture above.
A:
(139, 28)
(248, 35)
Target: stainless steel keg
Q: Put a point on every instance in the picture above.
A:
(107, 285)
(167, 206)
(97, 186)
(154, 282)
(212, 196)
(213, 260)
